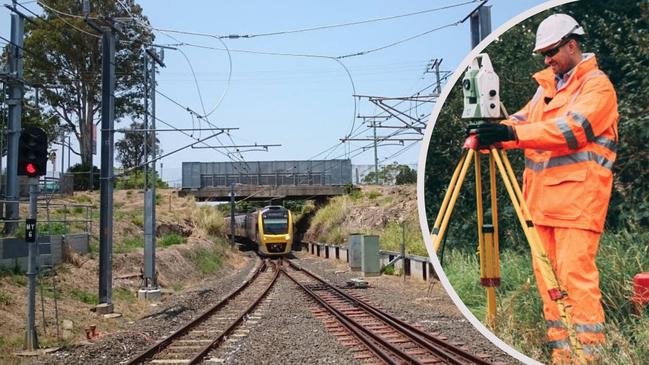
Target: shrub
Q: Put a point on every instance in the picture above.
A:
(81, 177)
(138, 220)
(5, 299)
(171, 239)
(210, 220)
(135, 180)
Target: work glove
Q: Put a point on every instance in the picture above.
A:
(489, 133)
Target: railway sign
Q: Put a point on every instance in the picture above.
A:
(30, 230)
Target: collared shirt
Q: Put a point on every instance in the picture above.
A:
(563, 78)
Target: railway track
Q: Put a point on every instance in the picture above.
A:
(378, 336)
(191, 343)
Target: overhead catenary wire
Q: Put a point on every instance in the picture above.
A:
(354, 128)
(320, 56)
(339, 25)
(205, 115)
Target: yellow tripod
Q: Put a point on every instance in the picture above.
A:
(488, 234)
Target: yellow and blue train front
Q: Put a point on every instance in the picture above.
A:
(276, 231)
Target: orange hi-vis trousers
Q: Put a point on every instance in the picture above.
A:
(572, 253)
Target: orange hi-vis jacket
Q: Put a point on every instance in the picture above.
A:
(570, 141)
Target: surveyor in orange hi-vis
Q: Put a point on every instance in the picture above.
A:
(569, 132)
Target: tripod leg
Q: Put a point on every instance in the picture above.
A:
(491, 276)
(494, 221)
(485, 242)
(536, 247)
(444, 214)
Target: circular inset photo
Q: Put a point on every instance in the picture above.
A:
(533, 184)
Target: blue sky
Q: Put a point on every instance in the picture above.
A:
(303, 103)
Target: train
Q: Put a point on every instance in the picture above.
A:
(268, 230)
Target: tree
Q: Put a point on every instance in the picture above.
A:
(81, 177)
(130, 149)
(616, 33)
(64, 54)
(406, 175)
(392, 174)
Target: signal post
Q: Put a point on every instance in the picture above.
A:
(32, 162)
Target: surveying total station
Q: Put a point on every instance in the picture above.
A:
(480, 86)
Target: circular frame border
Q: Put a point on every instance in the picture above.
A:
(421, 169)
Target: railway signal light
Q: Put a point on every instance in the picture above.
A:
(32, 152)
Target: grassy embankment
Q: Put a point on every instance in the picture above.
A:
(371, 211)
(520, 323)
(181, 261)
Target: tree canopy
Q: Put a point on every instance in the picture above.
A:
(130, 149)
(392, 174)
(63, 54)
(617, 33)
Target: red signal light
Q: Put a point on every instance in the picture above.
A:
(31, 169)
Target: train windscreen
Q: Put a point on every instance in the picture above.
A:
(276, 222)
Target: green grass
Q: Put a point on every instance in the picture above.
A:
(177, 287)
(520, 322)
(138, 220)
(5, 299)
(52, 228)
(78, 210)
(18, 279)
(206, 260)
(62, 211)
(327, 222)
(392, 235)
(373, 195)
(9, 345)
(84, 296)
(48, 292)
(124, 295)
(171, 239)
(129, 244)
(93, 247)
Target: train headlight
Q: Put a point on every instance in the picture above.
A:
(288, 237)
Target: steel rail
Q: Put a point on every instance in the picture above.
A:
(205, 350)
(160, 345)
(449, 352)
(359, 331)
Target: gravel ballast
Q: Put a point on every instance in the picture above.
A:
(288, 333)
(165, 318)
(413, 301)
(284, 329)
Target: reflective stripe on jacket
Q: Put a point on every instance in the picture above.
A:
(570, 141)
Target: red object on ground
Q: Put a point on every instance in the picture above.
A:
(641, 288)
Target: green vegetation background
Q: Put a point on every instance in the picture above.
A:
(617, 32)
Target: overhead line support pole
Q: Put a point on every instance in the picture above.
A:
(376, 159)
(16, 92)
(106, 178)
(150, 289)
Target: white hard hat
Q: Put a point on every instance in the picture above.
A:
(555, 28)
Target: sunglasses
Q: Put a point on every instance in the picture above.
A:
(553, 51)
